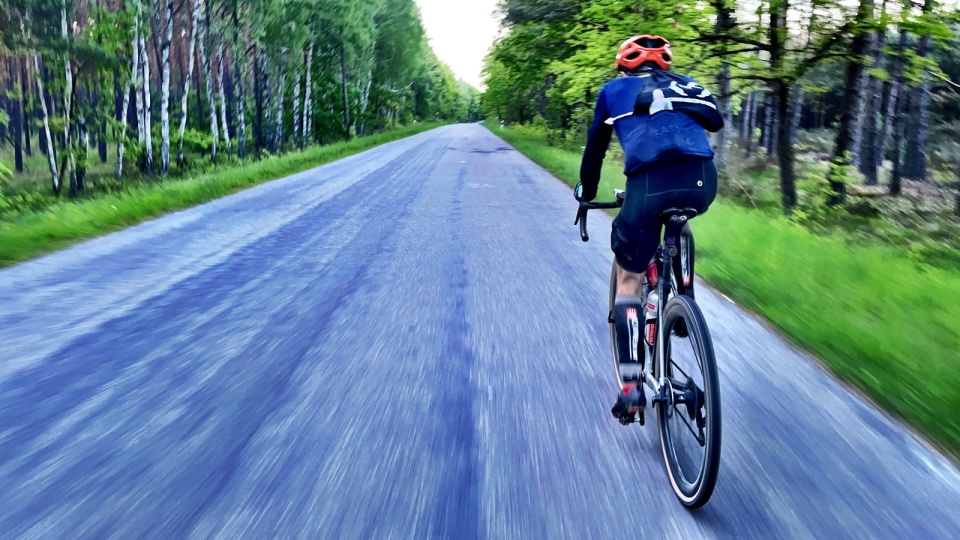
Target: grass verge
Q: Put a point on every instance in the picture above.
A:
(874, 317)
(68, 222)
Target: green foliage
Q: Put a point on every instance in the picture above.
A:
(5, 173)
(16, 203)
(816, 141)
(813, 192)
(196, 141)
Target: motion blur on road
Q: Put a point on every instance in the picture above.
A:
(412, 343)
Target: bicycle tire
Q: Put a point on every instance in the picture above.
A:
(613, 328)
(692, 494)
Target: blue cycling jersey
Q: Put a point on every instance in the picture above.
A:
(679, 132)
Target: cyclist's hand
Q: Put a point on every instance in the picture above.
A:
(584, 194)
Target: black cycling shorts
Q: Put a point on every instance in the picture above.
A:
(691, 183)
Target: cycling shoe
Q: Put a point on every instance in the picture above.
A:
(630, 401)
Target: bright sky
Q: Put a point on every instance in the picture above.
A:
(461, 32)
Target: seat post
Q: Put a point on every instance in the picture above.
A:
(674, 219)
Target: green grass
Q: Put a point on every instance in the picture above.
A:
(868, 312)
(67, 222)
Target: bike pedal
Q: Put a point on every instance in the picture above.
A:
(640, 418)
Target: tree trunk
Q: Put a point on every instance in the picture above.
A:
(165, 92)
(775, 128)
(138, 72)
(118, 100)
(68, 104)
(201, 114)
(766, 138)
(307, 104)
(796, 111)
(846, 150)
(101, 131)
(267, 103)
(896, 175)
(745, 116)
(297, 121)
(186, 81)
(147, 120)
(785, 156)
(229, 92)
(894, 100)
(871, 129)
(48, 140)
(223, 101)
(83, 140)
(343, 84)
(237, 55)
(788, 190)
(752, 124)
(278, 123)
(208, 73)
(258, 70)
(915, 160)
(364, 99)
(724, 89)
(14, 100)
(134, 73)
(724, 24)
(24, 92)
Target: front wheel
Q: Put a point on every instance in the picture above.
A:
(689, 415)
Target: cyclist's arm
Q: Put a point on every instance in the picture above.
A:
(598, 140)
(699, 103)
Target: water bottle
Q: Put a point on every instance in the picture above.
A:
(651, 316)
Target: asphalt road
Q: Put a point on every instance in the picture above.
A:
(407, 343)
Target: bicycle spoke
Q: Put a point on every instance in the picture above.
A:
(674, 364)
(698, 437)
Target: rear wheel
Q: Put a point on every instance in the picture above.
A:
(613, 328)
(689, 415)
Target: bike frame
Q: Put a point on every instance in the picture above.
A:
(665, 285)
(666, 251)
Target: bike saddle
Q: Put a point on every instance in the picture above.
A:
(678, 214)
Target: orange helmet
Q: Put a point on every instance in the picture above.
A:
(639, 50)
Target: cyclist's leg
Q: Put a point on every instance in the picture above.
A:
(634, 240)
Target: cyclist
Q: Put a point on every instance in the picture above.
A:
(661, 119)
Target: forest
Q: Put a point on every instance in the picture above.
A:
(100, 94)
(837, 112)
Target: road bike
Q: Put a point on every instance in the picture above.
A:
(686, 403)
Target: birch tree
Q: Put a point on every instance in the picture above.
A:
(214, 134)
(296, 110)
(165, 91)
(146, 119)
(307, 103)
(223, 99)
(278, 122)
(186, 81)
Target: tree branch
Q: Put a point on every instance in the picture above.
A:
(735, 51)
(824, 51)
(599, 26)
(763, 78)
(720, 38)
